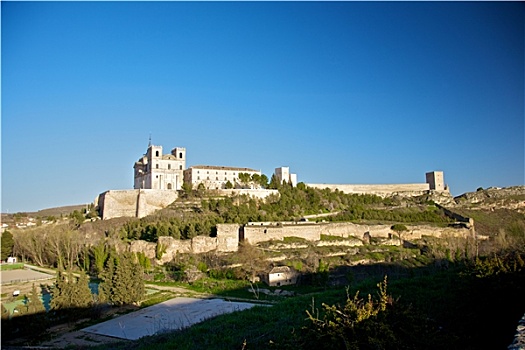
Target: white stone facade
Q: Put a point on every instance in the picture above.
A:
(283, 174)
(215, 177)
(160, 171)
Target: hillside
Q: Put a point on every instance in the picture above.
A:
(419, 267)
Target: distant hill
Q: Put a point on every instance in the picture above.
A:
(65, 210)
(60, 210)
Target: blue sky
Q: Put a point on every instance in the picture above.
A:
(341, 92)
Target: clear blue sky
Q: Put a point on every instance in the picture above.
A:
(341, 92)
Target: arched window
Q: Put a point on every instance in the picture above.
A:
(169, 186)
(156, 153)
(180, 155)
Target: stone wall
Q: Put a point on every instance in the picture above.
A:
(133, 203)
(116, 203)
(379, 190)
(228, 236)
(254, 234)
(259, 233)
(256, 193)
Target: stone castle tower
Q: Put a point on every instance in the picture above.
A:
(436, 181)
(160, 171)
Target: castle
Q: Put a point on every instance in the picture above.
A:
(157, 171)
(158, 177)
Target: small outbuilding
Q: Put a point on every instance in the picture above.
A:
(280, 276)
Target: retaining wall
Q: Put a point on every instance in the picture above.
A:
(133, 203)
(380, 190)
(228, 235)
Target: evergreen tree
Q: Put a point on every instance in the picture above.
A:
(100, 256)
(274, 183)
(122, 281)
(68, 292)
(61, 293)
(7, 244)
(34, 302)
(84, 298)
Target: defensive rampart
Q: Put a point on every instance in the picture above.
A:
(229, 235)
(379, 190)
(133, 203)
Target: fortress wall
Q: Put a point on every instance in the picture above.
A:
(416, 232)
(228, 237)
(150, 201)
(134, 203)
(148, 248)
(380, 190)
(173, 247)
(256, 234)
(257, 193)
(203, 244)
(115, 203)
(348, 229)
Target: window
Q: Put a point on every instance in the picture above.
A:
(156, 153)
(180, 167)
(216, 172)
(208, 178)
(198, 177)
(169, 166)
(180, 155)
(217, 178)
(156, 166)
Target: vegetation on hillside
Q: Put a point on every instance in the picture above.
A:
(442, 293)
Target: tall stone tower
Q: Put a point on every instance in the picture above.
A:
(160, 171)
(283, 174)
(436, 180)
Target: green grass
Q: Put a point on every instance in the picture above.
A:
(7, 267)
(335, 238)
(465, 309)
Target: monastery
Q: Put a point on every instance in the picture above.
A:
(158, 177)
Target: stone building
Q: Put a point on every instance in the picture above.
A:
(216, 177)
(283, 174)
(436, 181)
(158, 171)
(280, 276)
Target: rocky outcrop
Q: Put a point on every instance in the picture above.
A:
(493, 197)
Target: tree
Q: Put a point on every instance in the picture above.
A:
(274, 183)
(122, 281)
(228, 185)
(62, 292)
(100, 256)
(399, 229)
(78, 217)
(7, 245)
(244, 179)
(84, 298)
(187, 188)
(34, 303)
(263, 181)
